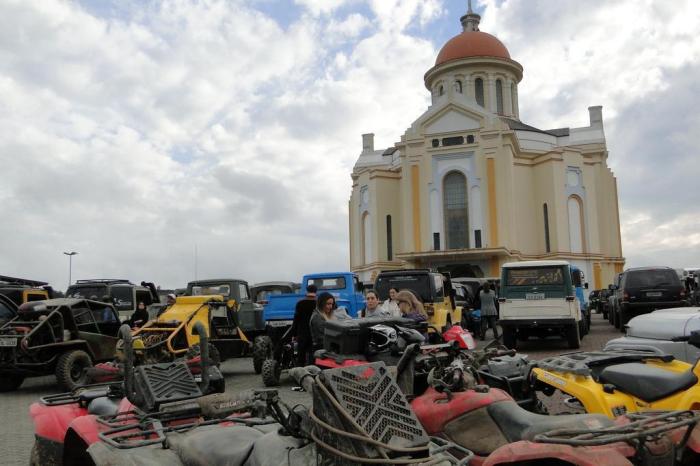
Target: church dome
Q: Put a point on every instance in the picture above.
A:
(472, 44)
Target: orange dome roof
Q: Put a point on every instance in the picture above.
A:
(472, 44)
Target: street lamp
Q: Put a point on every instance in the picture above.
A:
(70, 263)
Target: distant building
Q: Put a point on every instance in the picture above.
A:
(469, 186)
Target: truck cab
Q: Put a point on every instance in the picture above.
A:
(250, 314)
(123, 294)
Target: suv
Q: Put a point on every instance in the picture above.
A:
(123, 294)
(644, 289)
(433, 289)
(21, 291)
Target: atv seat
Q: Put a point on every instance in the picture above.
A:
(516, 423)
(648, 383)
(215, 446)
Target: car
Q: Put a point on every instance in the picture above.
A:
(21, 290)
(642, 290)
(62, 336)
(655, 332)
(123, 294)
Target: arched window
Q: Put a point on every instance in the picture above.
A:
(456, 212)
(577, 239)
(366, 239)
(512, 97)
(546, 228)
(441, 90)
(479, 91)
(458, 86)
(499, 97)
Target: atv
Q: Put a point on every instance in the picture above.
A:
(58, 417)
(57, 336)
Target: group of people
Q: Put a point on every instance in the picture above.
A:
(315, 309)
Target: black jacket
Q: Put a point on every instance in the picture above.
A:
(302, 315)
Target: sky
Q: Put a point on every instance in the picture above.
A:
(177, 139)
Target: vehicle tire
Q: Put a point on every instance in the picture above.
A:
(271, 371)
(509, 338)
(624, 319)
(10, 382)
(573, 337)
(605, 315)
(582, 328)
(70, 369)
(262, 350)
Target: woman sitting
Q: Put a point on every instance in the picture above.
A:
(325, 305)
(410, 307)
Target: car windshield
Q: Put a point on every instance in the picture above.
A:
(86, 292)
(651, 278)
(205, 290)
(419, 284)
(529, 276)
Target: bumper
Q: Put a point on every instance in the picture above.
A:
(643, 307)
(537, 323)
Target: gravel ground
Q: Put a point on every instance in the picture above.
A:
(16, 431)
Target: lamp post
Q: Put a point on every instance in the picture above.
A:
(70, 264)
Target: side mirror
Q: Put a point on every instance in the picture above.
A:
(694, 338)
(585, 285)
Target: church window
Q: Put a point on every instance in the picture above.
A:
(366, 239)
(441, 90)
(453, 141)
(479, 91)
(389, 245)
(499, 97)
(458, 86)
(470, 139)
(512, 98)
(455, 210)
(576, 232)
(546, 228)
(436, 143)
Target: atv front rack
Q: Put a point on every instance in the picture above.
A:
(583, 363)
(84, 395)
(645, 427)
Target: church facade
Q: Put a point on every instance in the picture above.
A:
(469, 186)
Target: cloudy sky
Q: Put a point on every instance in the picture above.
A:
(137, 133)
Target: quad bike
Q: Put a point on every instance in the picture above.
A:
(359, 341)
(360, 416)
(282, 356)
(57, 418)
(619, 382)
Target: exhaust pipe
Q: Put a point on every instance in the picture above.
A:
(125, 335)
(203, 354)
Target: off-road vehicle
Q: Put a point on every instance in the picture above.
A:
(61, 336)
(21, 290)
(123, 294)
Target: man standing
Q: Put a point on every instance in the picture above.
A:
(489, 312)
(300, 326)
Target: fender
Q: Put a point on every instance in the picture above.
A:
(87, 428)
(607, 455)
(51, 422)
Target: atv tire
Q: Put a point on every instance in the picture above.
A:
(70, 369)
(509, 338)
(10, 382)
(573, 337)
(262, 350)
(271, 371)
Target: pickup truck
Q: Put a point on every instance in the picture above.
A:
(279, 310)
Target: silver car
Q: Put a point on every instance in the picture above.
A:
(654, 331)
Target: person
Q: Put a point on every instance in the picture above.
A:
(300, 326)
(373, 308)
(489, 312)
(107, 313)
(325, 305)
(410, 307)
(170, 300)
(139, 317)
(391, 305)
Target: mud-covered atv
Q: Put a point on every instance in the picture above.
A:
(57, 418)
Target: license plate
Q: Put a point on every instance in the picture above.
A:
(279, 323)
(198, 378)
(654, 294)
(532, 296)
(8, 342)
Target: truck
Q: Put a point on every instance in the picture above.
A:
(278, 313)
(123, 294)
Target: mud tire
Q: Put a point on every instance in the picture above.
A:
(573, 337)
(271, 371)
(262, 350)
(10, 382)
(70, 369)
(509, 338)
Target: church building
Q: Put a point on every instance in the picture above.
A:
(470, 186)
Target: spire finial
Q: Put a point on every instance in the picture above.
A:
(470, 21)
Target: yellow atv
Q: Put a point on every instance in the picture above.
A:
(171, 334)
(619, 382)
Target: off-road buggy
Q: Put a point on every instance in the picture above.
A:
(8, 309)
(58, 336)
(57, 418)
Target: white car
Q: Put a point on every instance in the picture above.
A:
(655, 331)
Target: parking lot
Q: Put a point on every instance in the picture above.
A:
(16, 427)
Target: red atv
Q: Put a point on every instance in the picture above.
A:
(59, 418)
